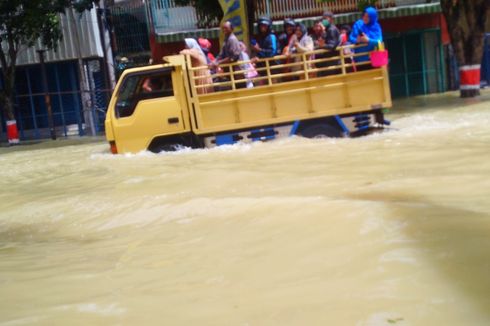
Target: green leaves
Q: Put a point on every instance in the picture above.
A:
(24, 21)
(82, 5)
(208, 11)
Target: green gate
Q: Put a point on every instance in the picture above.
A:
(416, 62)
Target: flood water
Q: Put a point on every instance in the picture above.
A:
(392, 228)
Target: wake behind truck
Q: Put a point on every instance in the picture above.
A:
(164, 107)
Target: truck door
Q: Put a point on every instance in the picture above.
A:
(146, 106)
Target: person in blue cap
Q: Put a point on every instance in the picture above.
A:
(265, 45)
(366, 31)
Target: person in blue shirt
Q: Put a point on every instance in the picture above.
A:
(266, 43)
(264, 46)
(366, 31)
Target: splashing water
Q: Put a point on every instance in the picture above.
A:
(391, 228)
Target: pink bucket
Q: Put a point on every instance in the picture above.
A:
(379, 58)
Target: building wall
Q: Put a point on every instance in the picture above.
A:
(69, 48)
(416, 62)
(403, 24)
(76, 110)
(75, 106)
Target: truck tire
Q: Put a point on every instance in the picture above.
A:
(166, 148)
(321, 131)
(170, 143)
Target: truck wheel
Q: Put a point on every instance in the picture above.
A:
(321, 131)
(166, 148)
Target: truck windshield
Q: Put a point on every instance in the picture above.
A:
(144, 86)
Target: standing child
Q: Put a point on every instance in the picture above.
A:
(345, 31)
(247, 66)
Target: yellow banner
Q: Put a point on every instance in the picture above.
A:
(235, 12)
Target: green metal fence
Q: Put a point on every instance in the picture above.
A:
(130, 28)
(416, 62)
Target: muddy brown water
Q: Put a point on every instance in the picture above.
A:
(392, 228)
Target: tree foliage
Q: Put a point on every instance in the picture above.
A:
(22, 23)
(208, 11)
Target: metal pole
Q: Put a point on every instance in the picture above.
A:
(60, 101)
(441, 68)
(84, 94)
(47, 98)
(424, 68)
(405, 67)
(105, 69)
(31, 102)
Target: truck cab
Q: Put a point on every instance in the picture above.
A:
(161, 107)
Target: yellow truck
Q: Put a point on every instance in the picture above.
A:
(164, 107)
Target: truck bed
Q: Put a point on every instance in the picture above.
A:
(280, 102)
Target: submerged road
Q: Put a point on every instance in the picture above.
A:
(392, 228)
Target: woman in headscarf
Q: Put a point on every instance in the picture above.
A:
(301, 42)
(198, 59)
(366, 31)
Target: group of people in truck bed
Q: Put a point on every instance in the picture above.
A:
(294, 39)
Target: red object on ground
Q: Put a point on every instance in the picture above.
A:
(469, 77)
(12, 132)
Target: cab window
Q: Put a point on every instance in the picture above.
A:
(139, 87)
